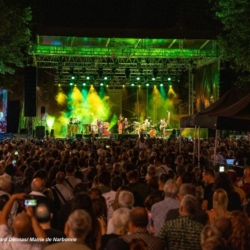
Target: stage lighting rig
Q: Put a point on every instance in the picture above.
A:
(127, 72)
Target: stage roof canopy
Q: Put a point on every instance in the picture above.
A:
(120, 59)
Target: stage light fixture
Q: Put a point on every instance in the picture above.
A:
(155, 73)
(169, 79)
(138, 78)
(101, 84)
(161, 84)
(84, 84)
(71, 83)
(72, 74)
(147, 84)
(105, 78)
(87, 77)
(100, 72)
(127, 72)
(132, 84)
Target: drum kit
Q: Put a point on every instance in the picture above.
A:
(73, 126)
(145, 128)
(88, 128)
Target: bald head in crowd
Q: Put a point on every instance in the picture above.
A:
(37, 185)
(22, 226)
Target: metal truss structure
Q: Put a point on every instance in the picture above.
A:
(119, 59)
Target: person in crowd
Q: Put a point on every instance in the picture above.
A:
(233, 175)
(220, 204)
(240, 237)
(139, 189)
(104, 182)
(5, 188)
(208, 178)
(199, 215)
(109, 197)
(77, 228)
(125, 199)
(120, 222)
(160, 167)
(37, 188)
(160, 209)
(100, 212)
(183, 233)
(244, 183)
(44, 216)
(70, 180)
(61, 193)
(138, 244)
(223, 181)
(24, 225)
(138, 221)
(162, 179)
(141, 142)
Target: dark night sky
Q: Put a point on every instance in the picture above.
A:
(126, 14)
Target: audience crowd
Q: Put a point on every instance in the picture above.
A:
(104, 194)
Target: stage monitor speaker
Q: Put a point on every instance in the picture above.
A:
(87, 136)
(42, 110)
(23, 131)
(30, 92)
(114, 136)
(78, 136)
(40, 132)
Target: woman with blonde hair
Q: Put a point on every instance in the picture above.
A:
(220, 203)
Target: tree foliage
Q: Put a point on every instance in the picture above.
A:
(14, 37)
(234, 39)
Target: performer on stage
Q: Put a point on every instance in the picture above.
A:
(100, 127)
(146, 125)
(163, 126)
(120, 120)
(125, 126)
(152, 132)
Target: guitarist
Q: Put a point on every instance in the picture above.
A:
(163, 126)
(125, 126)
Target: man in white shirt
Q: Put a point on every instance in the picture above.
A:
(115, 183)
(63, 193)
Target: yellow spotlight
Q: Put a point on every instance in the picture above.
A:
(123, 86)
